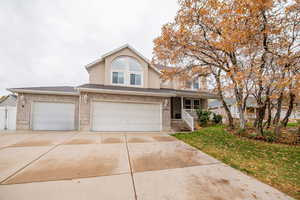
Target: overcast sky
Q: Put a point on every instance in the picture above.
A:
(45, 43)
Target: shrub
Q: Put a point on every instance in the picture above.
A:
(252, 135)
(270, 136)
(298, 131)
(203, 116)
(241, 132)
(217, 118)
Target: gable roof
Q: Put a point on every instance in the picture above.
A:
(119, 49)
(9, 100)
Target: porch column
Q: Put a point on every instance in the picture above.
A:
(181, 103)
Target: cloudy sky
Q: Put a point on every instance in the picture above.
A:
(46, 43)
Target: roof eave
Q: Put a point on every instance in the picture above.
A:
(139, 93)
(202, 95)
(27, 91)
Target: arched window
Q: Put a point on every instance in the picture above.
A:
(126, 70)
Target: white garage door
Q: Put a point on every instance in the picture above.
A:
(53, 116)
(115, 116)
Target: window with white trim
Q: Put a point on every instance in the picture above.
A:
(196, 84)
(193, 84)
(126, 71)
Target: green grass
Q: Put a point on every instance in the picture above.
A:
(292, 124)
(275, 164)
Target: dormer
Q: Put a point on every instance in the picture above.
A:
(124, 67)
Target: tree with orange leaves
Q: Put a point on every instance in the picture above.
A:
(251, 42)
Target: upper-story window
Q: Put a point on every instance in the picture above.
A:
(193, 84)
(127, 71)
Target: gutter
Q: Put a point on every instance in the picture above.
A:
(43, 92)
(202, 95)
(107, 91)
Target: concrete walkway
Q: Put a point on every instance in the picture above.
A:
(117, 166)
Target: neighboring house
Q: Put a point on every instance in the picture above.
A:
(9, 100)
(8, 112)
(124, 93)
(251, 106)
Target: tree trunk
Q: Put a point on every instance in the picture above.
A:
(256, 118)
(277, 130)
(241, 116)
(238, 91)
(240, 105)
(260, 119)
(278, 112)
(285, 120)
(228, 113)
(268, 122)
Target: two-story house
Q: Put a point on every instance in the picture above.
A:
(124, 93)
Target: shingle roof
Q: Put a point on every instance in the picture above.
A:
(150, 90)
(67, 89)
(73, 90)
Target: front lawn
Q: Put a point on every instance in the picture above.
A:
(275, 164)
(292, 124)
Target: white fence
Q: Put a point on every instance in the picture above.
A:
(8, 118)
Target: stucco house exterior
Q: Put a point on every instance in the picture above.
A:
(125, 93)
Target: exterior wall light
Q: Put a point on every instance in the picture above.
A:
(22, 100)
(85, 98)
(166, 103)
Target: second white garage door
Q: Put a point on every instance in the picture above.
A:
(117, 116)
(53, 116)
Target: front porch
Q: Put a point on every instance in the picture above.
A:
(183, 110)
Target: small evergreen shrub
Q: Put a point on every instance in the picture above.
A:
(241, 132)
(270, 136)
(217, 118)
(203, 116)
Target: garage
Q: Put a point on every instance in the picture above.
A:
(124, 116)
(53, 116)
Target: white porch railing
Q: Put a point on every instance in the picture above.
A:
(188, 119)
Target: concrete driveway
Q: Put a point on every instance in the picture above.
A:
(87, 166)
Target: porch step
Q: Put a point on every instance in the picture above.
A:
(179, 125)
